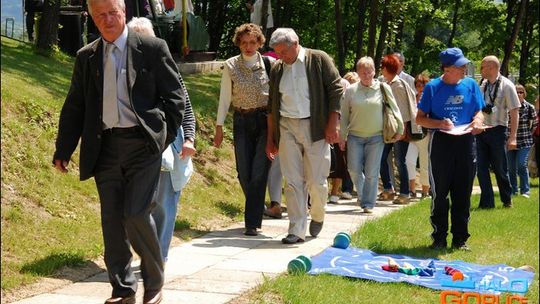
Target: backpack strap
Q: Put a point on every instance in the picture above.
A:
(267, 65)
(385, 97)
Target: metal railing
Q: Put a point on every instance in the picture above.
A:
(12, 20)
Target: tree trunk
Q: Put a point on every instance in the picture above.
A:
(509, 45)
(339, 38)
(420, 32)
(457, 4)
(360, 29)
(264, 16)
(277, 14)
(372, 31)
(216, 22)
(382, 35)
(399, 34)
(318, 22)
(48, 26)
(527, 38)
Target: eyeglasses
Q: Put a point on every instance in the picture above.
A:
(520, 92)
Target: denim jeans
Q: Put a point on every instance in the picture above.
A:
(164, 213)
(363, 159)
(400, 152)
(517, 166)
(252, 165)
(166, 198)
(491, 153)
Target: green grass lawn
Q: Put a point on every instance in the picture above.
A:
(499, 236)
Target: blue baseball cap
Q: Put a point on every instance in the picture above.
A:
(453, 56)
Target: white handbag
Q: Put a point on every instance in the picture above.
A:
(167, 159)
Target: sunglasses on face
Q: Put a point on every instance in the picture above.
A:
(520, 92)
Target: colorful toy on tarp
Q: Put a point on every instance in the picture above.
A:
(300, 264)
(409, 269)
(365, 264)
(456, 274)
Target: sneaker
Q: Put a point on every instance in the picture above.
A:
(438, 245)
(460, 246)
(401, 200)
(368, 210)
(526, 195)
(291, 239)
(346, 195)
(333, 199)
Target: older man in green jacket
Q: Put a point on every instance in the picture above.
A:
(305, 93)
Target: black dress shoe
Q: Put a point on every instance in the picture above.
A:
(292, 239)
(121, 300)
(315, 228)
(438, 245)
(251, 232)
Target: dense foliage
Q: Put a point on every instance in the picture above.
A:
(418, 28)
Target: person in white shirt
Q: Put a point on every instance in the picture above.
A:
(402, 74)
(501, 101)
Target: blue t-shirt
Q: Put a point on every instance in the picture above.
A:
(457, 102)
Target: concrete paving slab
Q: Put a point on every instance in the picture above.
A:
(49, 298)
(171, 296)
(183, 264)
(228, 275)
(205, 285)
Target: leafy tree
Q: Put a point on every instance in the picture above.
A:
(47, 38)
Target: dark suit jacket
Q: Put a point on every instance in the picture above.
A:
(154, 90)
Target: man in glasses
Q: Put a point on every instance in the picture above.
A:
(501, 101)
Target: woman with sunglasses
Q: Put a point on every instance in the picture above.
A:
(518, 158)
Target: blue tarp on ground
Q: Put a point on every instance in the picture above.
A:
(365, 264)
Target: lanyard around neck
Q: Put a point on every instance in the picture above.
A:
(492, 93)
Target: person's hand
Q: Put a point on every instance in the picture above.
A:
(398, 137)
(342, 144)
(446, 124)
(476, 127)
(218, 137)
(271, 150)
(188, 149)
(512, 143)
(61, 165)
(331, 132)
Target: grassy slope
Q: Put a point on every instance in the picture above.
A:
(50, 220)
(499, 236)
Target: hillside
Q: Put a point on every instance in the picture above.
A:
(50, 220)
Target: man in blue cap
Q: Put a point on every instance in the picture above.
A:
(451, 106)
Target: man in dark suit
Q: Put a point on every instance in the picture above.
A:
(125, 103)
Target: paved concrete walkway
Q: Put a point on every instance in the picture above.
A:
(222, 265)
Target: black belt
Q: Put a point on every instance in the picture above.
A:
(251, 110)
(129, 130)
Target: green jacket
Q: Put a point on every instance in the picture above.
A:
(325, 92)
